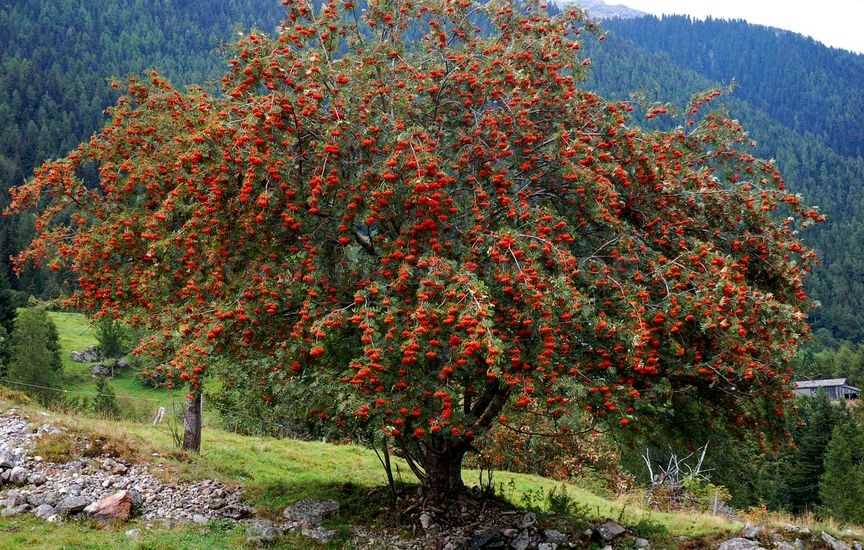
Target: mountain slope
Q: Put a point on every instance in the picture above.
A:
(56, 58)
(602, 10)
(798, 99)
(799, 82)
(825, 177)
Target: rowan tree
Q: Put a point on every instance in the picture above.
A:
(439, 217)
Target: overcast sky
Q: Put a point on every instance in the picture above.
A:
(838, 23)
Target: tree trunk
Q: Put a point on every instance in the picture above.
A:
(192, 424)
(442, 463)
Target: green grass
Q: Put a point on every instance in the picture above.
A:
(277, 472)
(31, 533)
(135, 399)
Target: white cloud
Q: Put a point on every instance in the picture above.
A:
(838, 23)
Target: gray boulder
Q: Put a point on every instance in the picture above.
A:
(833, 543)
(36, 479)
(44, 511)
(522, 542)
(16, 510)
(89, 355)
(13, 499)
(19, 475)
(311, 512)
(554, 536)
(528, 520)
(319, 534)
(261, 532)
(752, 532)
(101, 370)
(72, 505)
(609, 530)
(740, 544)
(8, 459)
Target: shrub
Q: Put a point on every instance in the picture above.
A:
(105, 402)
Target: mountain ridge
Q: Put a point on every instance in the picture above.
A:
(602, 10)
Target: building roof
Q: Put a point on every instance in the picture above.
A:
(829, 382)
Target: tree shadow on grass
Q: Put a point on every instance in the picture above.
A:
(358, 504)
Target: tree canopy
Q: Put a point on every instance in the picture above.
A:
(440, 218)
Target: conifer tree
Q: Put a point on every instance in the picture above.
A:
(35, 363)
(819, 417)
(842, 485)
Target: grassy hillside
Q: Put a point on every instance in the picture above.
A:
(277, 472)
(136, 400)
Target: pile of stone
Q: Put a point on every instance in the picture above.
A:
(792, 537)
(102, 487)
(304, 517)
(104, 366)
(89, 355)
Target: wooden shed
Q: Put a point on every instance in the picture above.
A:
(836, 388)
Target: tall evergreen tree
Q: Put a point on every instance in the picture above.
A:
(841, 489)
(819, 417)
(35, 365)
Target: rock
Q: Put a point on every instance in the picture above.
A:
(114, 507)
(13, 499)
(752, 532)
(8, 459)
(857, 546)
(123, 363)
(200, 519)
(137, 499)
(425, 520)
(115, 468)
(36, 479)
(19, 475)
(101, 370)
(133, 534)
(487, 538)
(44, 511)
(319, 533)
(609, 530)
(547, 546)
(642, 543)
(522, 542)
(554, 536)
(740, 544)
(526, 521)
(15, 510)
(262, 532)
(783, 545)
(311, 512)
(833, 543)
(88, 355)
(72, 505)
